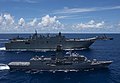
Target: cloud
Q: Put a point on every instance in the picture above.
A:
(47, 20)
(50, 23)
(21, 22)
(67, 10)
(90, 24)
(33, 23)
(1, 19)
(25, 1)
(8, 19)
(65, 17)
(46, 23)
(7, 22)
(31, 1)
(119, 24)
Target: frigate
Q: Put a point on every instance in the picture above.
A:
(41, 42)
(60, 62)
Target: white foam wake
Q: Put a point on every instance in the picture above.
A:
(4, 67)
(2, 48)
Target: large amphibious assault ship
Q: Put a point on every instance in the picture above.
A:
(40, 42)
(60, 62)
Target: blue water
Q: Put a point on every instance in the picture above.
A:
(101, 50)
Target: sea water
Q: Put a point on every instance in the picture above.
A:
(100, 50)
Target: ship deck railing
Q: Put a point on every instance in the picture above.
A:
(78, 39)
(19, 63)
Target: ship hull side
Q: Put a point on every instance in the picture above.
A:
(74, 66)
(36, 45)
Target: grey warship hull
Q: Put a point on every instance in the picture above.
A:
(59, 61)
(43, 43)
(39, 45)
(80, 66)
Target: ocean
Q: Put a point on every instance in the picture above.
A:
(100, 50)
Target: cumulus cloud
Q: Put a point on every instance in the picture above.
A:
(33, 22)
(21, 22)
(7, 22)
(47, 20)
(90, 24)
(1, 19)
(46, 23)
(50, 22)
(119, 24)
(6, 19)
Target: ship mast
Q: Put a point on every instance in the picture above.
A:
(59, 51)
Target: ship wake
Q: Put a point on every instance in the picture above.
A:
(2, 48)
(4, 67)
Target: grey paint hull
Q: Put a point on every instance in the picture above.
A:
(38, 45)
(44, 67)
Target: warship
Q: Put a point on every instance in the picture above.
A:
(59, 62)
(41, 42)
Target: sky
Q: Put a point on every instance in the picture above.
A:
(67, 16)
